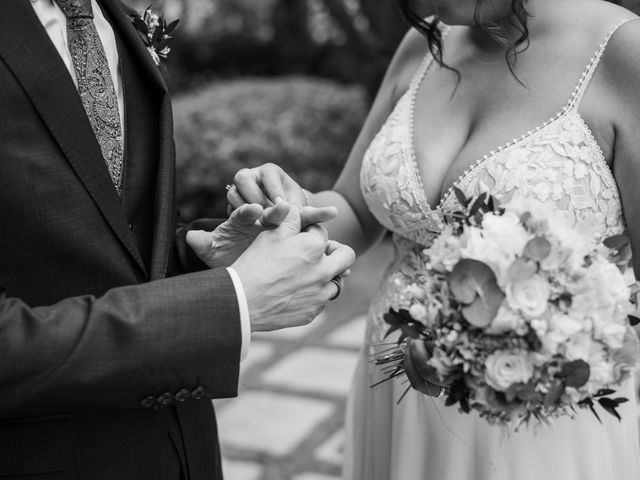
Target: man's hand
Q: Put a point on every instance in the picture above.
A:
(226, 243)
(286, 274)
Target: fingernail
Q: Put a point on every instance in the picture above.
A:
(279, 199)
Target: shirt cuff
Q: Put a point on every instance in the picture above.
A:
(245, 321)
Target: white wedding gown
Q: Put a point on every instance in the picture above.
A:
(420, 439)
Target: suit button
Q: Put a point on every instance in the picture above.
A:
(165, 399)
(183, 395)
(198, 393)
(131, 227)
(148, 402)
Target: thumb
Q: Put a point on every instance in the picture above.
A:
(292, 224)
(246, 215)
(200, 241)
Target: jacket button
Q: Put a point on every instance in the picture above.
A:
(198, 393)
(148, 402)
(165, 399)
(183, 395)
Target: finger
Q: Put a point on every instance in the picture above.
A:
(234, 198)
(247, 186)
(199, 241)
(311, 215)
(247, 215)
(319, 232)
(340, 259)
(291, 224)
(331, 292)
(332, 246)
(274, 216)
(272, 179)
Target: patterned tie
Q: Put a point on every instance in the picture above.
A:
(95, 83)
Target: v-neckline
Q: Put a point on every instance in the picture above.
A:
(569, 107)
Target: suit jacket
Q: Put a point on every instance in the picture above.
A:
(108, 362)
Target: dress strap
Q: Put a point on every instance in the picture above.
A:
(587, 74)
(417, 79)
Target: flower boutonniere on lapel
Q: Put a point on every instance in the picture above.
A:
(155, 33)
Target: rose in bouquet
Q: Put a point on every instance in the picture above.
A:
(521, 314)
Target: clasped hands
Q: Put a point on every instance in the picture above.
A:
(278, 248)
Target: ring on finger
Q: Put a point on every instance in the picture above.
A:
(228, 187)
(339, 283)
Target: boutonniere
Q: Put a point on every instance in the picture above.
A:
(155, 33)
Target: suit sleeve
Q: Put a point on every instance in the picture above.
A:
(151, 345)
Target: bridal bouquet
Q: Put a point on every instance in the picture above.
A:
(520, 315)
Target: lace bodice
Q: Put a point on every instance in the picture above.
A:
(558, 162)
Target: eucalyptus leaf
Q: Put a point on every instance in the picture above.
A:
(575, 374)
(474, 285)
(537, 249)
(466, 279)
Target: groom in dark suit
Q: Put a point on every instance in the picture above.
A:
(110, 350)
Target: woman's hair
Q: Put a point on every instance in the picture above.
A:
(519, 15)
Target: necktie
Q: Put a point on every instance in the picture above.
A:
(95, 84)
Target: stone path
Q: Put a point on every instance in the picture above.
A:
(287, 422)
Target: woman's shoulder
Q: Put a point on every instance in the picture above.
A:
(409, 56)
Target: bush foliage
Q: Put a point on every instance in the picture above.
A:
(307, 126)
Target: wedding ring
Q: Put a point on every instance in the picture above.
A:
(338, 282)
(229, 187)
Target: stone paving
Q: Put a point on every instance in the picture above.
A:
(287, 422)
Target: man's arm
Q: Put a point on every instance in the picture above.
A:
(139, 343)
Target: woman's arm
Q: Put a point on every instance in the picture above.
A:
(354, 225)
(620, 75)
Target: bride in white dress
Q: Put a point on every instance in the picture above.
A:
(539, 98)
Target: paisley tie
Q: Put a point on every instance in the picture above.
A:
(95, 84)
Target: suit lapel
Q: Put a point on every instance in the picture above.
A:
(27, 50)
(165, 214)
(121, 18)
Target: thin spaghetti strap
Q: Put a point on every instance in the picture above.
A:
(587, 74)
(416, 81)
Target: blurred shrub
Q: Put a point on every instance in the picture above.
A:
(307, 126)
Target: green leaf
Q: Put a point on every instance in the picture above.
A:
(462, 198)
(416, 379)
(610, 405)
(537, 249)
(575, 374)
(466, 279)
(171, 27)
(474, 285)
(617, 242)
(475, 208)
(141, 25)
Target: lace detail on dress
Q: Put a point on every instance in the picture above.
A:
(558, 162)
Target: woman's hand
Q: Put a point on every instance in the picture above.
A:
(263, 185)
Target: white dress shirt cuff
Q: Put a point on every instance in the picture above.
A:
(245, 321)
